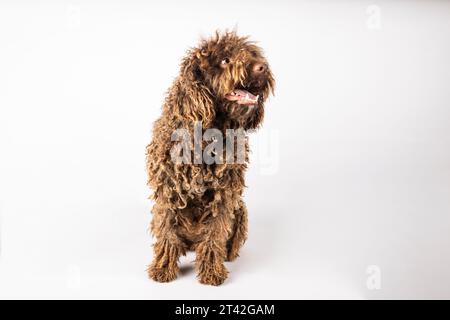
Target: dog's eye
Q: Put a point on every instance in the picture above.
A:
(225, 61)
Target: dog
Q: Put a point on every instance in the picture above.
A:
(222, 85)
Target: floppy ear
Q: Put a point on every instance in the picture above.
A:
(193, 99)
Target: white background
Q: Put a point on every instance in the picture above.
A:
(351, 169)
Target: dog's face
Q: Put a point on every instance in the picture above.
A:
(237, 74)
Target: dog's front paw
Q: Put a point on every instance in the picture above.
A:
(162, 274)
(213, 275)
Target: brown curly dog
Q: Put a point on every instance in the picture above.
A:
(222, 84)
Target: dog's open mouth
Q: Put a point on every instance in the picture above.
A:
(243, 97)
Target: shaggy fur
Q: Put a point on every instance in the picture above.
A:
(199, 206)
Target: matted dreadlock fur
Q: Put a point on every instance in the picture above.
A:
(199, 206)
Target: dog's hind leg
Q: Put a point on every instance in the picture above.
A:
(239, 234)
(168, 247)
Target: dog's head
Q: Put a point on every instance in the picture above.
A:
(235, 74)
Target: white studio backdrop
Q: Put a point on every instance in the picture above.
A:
(349, 182)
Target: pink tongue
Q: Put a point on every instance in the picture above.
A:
(242, 97)
(243, 94)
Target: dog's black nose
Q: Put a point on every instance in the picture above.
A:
(258, 69)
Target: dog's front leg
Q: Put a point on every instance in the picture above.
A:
(211, 252)
(167, 249)
(239, 234)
